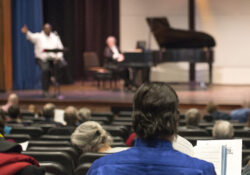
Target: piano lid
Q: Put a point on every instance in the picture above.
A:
(168, 37)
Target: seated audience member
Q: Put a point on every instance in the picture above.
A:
(84, 114)
(14, 114)
(12, 100)
(91, 137)
(155, 115)
(33, 109)
(180, 144)
(13, 162)
(192, 117)
(242, 114)
(70, 116)
(214, 114)
(4, 129)
(223, 130)
(49, 114)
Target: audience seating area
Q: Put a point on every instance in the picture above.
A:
(51, 146)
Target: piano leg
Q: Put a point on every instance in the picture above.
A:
(191, 72)
(210, 65)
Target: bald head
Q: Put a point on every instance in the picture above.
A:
(111, 41)
(47, 28)
(223, 130)
(13, 99)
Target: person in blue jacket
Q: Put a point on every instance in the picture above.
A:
(155, 117)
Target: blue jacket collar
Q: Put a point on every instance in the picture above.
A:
(154, 143)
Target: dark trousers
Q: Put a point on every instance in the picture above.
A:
(45, 67)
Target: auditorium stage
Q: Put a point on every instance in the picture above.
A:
(87, 94)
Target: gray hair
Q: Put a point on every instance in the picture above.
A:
(84, 114)
(192, 117)
(223, 130)
(90, 137)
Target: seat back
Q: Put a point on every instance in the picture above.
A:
(90, 59)
(89, 157)
(241, 133)
(58, 157)
(55, 137)
(48, 143)
(61, 131)
(68, 149)
(19, 138)
(82, 169)
(34, 132)
(53, 168)
(193, 132)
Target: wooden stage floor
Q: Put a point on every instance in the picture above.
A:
(88, 94)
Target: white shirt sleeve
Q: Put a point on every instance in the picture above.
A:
(32, 37)
(116, 52)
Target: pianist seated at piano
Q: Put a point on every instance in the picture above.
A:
(113, 56)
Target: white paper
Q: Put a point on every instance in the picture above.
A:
(212, 154)
(59, 116)
(234, 153)
(24, 145)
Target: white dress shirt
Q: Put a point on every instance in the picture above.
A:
(42, 41)
(115, 52)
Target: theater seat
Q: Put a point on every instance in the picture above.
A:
(90, 157)
(193, 132)
(55, 137)
(53, 168)
(48, 143)
(82, 169)
(103, 120)
(61, 131)
(241, 133)
(58, 157)
(19, 138)
(116, 130)
(34, 132)
(245, 153)
(45, 127)
(68, 149)
(118, 144)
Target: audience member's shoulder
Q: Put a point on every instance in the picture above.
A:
(207, 167)
(111, 158)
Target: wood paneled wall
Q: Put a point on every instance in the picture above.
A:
(5, 46)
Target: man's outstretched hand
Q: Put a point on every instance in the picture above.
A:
(24, 29)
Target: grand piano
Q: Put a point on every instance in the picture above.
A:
(175, 46)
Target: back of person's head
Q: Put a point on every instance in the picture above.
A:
(223, 130)
(70, 115)
(211, 108)
(49, 111)
(90, 137)
(155, 111)
(13, 99)
(192, 117)
(32, 108)
(14, 112)
(84, 114)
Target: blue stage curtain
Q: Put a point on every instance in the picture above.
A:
(26, 73)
